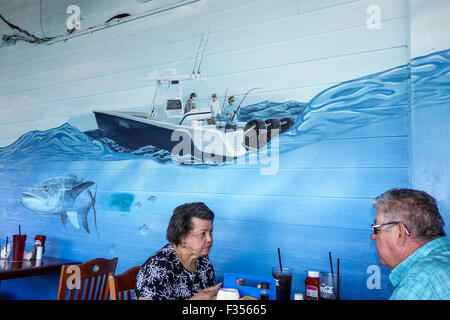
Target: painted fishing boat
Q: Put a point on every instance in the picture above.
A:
(167, 127)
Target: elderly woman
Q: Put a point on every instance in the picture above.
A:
(181, 269)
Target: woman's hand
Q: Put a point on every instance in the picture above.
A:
(207, 293)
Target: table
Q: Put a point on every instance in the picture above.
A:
(21, 269)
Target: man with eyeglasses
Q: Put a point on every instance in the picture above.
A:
(411, 241)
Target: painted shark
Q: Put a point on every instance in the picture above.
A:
(67, 196)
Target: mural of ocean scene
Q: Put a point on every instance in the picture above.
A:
(66, 164)
(337, 110)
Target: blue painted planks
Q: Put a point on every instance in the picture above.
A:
(314, 182)
(320, 198)
(345, 213)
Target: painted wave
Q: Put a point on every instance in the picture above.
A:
(431, 79)
(269, 109)
(356, 103)
(147, 151)
(61, 143)
(334, 111)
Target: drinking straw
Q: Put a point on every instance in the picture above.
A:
(20, 241)
(338, 282)
(279, 259)
(331, 263)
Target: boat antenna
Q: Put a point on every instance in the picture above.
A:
(204, 48)
(158, 87)
(196, 56)
(240, 104)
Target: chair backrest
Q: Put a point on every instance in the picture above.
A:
(122, 286)
(89, 280)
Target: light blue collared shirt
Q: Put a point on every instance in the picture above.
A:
(424, 275)
(227, 114)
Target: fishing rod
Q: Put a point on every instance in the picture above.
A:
(203, 53)
(240, 104)
(196, 56)
(223, 106)
(224, 99)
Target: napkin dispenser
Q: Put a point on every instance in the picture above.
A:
(230, 281)
(228, 294)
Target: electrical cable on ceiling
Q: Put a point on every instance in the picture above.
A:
(7, 41)
(31, 38)
(34, 39)
(118, 16)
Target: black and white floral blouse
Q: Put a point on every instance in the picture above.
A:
(163, 277)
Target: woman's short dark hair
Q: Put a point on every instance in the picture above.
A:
(181, 221)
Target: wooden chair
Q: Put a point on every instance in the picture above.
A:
(122, 286)
(89, 279)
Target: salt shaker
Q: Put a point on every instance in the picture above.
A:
(39, 250)
(5, 251)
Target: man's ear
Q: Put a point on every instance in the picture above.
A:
(401, 234)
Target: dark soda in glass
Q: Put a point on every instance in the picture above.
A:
(284, 282)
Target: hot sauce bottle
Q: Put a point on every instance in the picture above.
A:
(312, 286)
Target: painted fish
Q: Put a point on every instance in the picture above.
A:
(67, 196)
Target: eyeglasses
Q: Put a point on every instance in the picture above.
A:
(202, 235)
(377, 227)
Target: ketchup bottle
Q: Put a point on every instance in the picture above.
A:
(312, 286)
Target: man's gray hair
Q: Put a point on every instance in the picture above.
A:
(417, 210)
